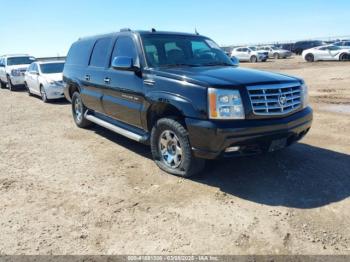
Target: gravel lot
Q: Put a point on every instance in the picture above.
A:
(66, 190)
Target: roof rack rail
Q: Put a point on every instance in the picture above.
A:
(125, 30)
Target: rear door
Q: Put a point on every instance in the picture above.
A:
(123, 98)
(240, 54)
(93, 77)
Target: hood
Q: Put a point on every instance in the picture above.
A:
(224, 76)
(53, 77)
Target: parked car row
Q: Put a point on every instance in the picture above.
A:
(255, 54)
(42, 78)
(177, 92)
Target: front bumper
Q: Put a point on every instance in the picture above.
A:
(17, 80)
(54, 92)
(210, 139)
(262, 58)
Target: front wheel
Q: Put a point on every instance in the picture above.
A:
(276, 56)
(27, 88)
(43, 94)
(171, 149)
(310, 58)
(9, 83)
(78, 111)
(253, 59)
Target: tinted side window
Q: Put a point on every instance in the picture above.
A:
(79, 53)
(100, 53)
(35, 68)
(125, 46)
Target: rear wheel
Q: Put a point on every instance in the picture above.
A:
(2, 85)
(310, 58)
(78, 111)
(253, 59)
(171, 149)
(344, 57)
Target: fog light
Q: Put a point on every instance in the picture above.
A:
(232, 149)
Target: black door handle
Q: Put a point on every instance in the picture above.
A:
(87, 77)
(107, 80)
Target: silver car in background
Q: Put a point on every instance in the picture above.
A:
(276, 52)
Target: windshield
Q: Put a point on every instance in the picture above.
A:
(177, 50)
(25, 60)
(274, 48)
(52, 68)
(252, 48)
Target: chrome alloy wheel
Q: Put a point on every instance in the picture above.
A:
(170, 149)
(78, 109)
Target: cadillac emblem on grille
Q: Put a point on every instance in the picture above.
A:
(282, 100)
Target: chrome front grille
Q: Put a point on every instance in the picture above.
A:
(276, 99)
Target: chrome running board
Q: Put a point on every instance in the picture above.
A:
(114, 128)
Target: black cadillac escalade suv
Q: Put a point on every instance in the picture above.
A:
(183, 95)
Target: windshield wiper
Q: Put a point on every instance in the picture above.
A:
(217, 64)
(179, 64)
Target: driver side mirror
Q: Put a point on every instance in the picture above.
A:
(124, 63)
(235, 61)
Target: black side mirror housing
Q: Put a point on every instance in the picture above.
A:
(124, 63)
(235, 61)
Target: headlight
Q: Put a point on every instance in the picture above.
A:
(225, 104)
(305, 95)
(15, 72)
(55, 83)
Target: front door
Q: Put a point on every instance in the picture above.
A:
(123, 97)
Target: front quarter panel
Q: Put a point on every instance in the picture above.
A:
(188, 98)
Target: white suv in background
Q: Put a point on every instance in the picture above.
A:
(249, 54)
(12, 69)
(45, 79)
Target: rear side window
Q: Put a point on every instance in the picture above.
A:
(125, 46)
(79, 53)
(100, 53)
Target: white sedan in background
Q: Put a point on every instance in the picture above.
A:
(45, 79)
(329, 52)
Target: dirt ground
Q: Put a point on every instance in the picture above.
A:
(65, 190)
